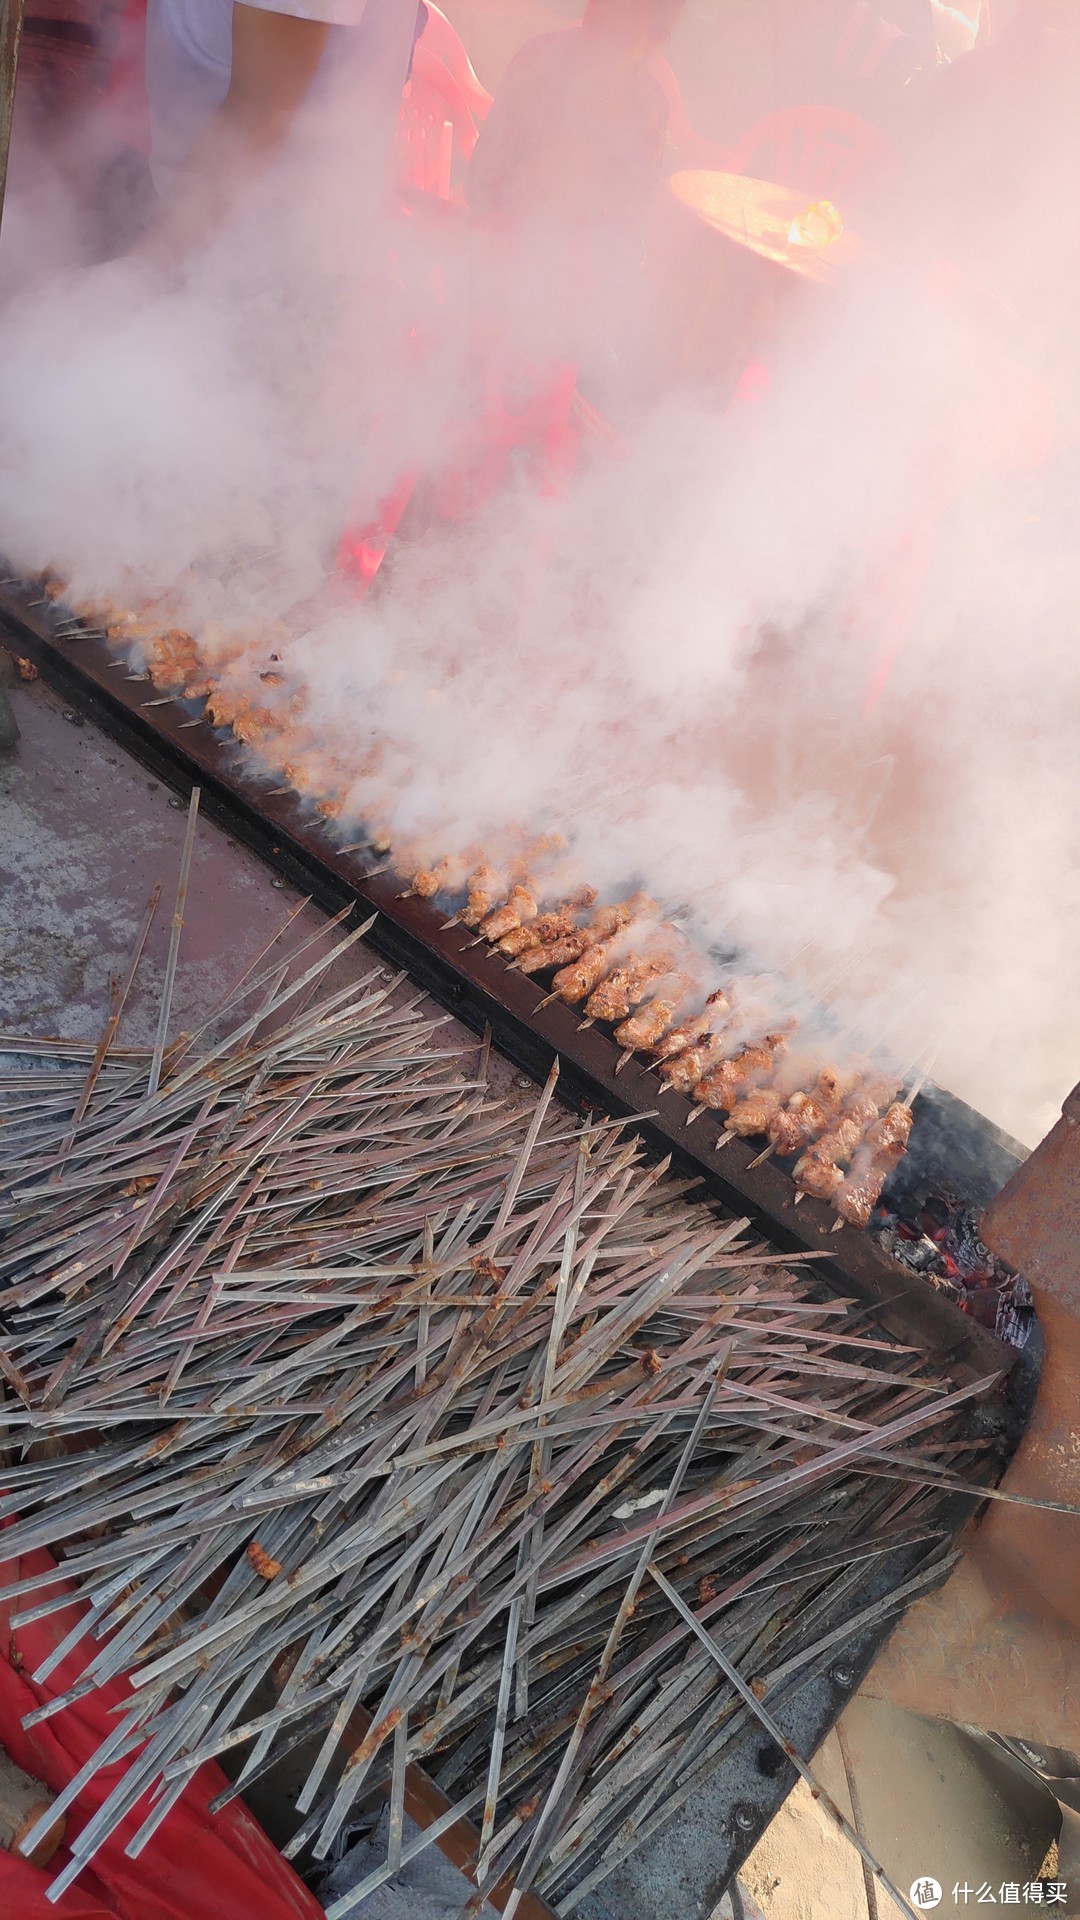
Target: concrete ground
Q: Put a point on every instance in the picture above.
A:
(85, 834)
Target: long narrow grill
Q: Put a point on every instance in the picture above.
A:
(485, 991)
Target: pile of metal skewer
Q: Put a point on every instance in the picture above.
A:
(386, 1407)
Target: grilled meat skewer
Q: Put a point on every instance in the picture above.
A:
(519, 907)
(577, 981)
(624, 987)
(541, 932)
(554, 953)
(485, 890)
(751, 1115)
(884, 1146)
(720, 1089)
(645, 1028)
(822, 1179)
(683, 1070)
(692, 1032)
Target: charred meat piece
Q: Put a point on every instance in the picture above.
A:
(808, 1115)
(803, 1118)
(174, 659)
(751, 1115)
(624, 987)
(443, 877)
(519, 907)
(519, 940)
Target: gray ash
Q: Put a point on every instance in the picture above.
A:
(936, 1234)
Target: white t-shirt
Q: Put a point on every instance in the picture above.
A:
(189, 59)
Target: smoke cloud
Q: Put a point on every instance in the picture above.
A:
(804, 668)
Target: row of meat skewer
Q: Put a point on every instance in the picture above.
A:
(621, 964)
(846, 1129)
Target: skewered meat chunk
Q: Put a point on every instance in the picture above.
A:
(808, 1115)
(840, 1142)
(174, 659)
(691, 1032)
(822, 1179)
(802, 1120)
(519, 907)
(884, 1145)
(576, 982)
(645, 1028)
(887, 1138)
(721, 1088)
(873, 1097)
(519, 940)
(751, 1115)
(858, 1195)
(607, 921)
(540, 932)
(554, 953)
(835, 1085)
(485, 890)
(684, 1070)
(426, 882)
(623, 988)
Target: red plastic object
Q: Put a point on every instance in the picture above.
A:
(197, 1864)
(444, 41)
(435, 124)
(820, 151)
(540, 425)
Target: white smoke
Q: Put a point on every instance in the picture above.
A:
(680, 664)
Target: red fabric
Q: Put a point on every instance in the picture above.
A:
(196, 1864)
